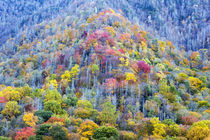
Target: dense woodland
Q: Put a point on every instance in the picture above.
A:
(100, 76)
(184, 22)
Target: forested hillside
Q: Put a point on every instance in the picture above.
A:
(184, 22)
(92, 73)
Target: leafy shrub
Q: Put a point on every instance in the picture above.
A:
(183, 130)
(53, 106)
(57, 132)
(12, 94)
(144, 128)
(74, 136)
(182, 77)
(26, 90)
(203, 104)
(70, 101)
(54, 120)
(195, 83)
(84, 109)
(52, 84)
(82, 113)
(87, 128)
(68, 75)
(30, 119)
(107, 132)
(32, 138)
(144, 67)
(159, 128)
(42, 131)
(109, 114)
(52, 95)
(11, 109)
(94, 68)
(44, 114)
(189, 120)
(130, 77)
(25, 133)
(76, 121)
(173, 130)
(199, 130)
(36, 93)
(127, 135)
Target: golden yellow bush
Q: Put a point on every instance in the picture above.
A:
(87, 128)
(130, 77)
(195, 83)
(199, 130)
(159, 128)
(30, 119)
(11, 94)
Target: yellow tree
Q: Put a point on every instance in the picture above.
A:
(12, 94)
(11, 109)
(87, 128)
(159, 128)
(199, 130)
(30, 119)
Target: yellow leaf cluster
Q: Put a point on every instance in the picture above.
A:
(124, 61)
(68, 75)
(199, 130)
(195, 83)
(87, 128)
(130, 76)
(11, 109)
(182, 76)
(144, 46)
(111, 30)
(162, 45)
(53, 95)
(159, 128)
(52, 83)
(11, 94)
(30, 119)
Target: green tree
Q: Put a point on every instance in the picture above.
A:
(53, 95)
(53, 106)
(57, 132)
(109, 114)
(106, 132)
(43, 130)
(45, 115)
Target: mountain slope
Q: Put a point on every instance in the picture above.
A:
(186, 23)
(92, 72)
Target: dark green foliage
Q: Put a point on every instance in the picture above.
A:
(148, 90)
(57, 133)
(44, 114)
(42, 131)
(106, 132)
(32, 138)
(70, 101)
(173, 89)
(170, 69)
